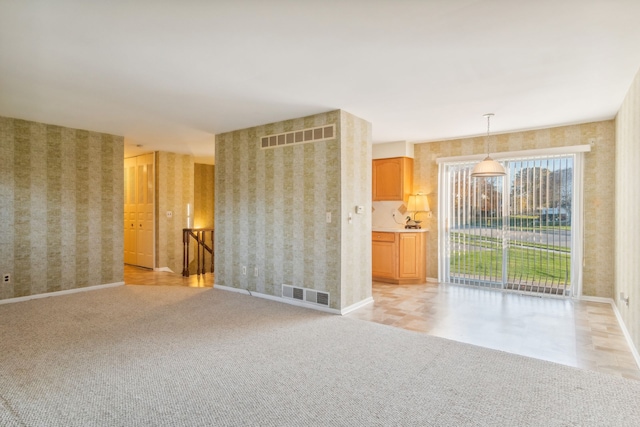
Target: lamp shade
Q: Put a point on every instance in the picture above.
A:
(418, 203)
(487, 168)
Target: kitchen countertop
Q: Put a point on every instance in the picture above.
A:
(399, 230)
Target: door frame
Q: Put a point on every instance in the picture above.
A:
(577, 215)
(154, 180)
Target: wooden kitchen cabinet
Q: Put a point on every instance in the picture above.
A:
(399, 257)
(383, 255)
(392, 178)
(411, 264)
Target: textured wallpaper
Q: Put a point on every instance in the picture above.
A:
(204, 195)
(174, 191)
(599, 197)
(271, 210)
(355, 137)
(627, 210)
(61, 193)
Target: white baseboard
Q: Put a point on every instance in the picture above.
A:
(356, 306)
(167, 269)
(596, 299)
(432, 280)
(59, 293)
(296, 302)
(625, 331)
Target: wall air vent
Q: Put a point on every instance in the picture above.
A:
(306, 295)
(303, 136)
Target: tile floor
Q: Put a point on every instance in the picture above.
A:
(143, 276)
(575, 333)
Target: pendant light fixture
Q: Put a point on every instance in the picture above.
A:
(488, 167)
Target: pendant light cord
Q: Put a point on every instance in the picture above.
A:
(488, 116)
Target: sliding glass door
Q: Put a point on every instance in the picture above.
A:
(513, 232)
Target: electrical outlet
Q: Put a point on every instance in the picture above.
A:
(244, 270)
(328, 217)
(624, 299)
(255, 272)
(6, 278)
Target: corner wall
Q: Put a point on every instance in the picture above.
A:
(204, 195)
(627, 211)
(271, 205)
(174, 190)
(355, 149)
(599, 182)
(61, 193)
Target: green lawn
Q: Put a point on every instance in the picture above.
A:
(525, 264)
(491, 242)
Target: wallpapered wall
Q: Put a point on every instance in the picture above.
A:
(355, 144)
(627, 267)
(61, 193)
(599, 197)
(271, 209)
(204, 195)
(174, 190)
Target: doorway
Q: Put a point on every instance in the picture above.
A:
(139, 208)
(518, 232)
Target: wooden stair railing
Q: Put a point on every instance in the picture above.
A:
(199, 235)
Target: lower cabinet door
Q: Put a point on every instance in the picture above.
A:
(383, 259)
(411, 256)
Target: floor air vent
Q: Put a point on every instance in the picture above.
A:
(321, 133)
(307, 295)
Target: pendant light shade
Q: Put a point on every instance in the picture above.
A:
(488, 167)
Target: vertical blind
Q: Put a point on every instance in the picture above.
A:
(516, 232)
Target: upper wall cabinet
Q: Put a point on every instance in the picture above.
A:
(392, 178)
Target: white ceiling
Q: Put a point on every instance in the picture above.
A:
(169, 75)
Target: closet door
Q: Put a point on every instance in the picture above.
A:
(130, 215)
(139, 210)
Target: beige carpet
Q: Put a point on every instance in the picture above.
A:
(172, 356)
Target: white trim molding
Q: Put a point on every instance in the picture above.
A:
(59, 293)
(298, 303)
(354, 307)
(508, 155)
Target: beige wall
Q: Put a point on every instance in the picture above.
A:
(355, 149)
(61, 217)
(627, 211)
(204, 195)
(599, 198)
(271, 204)
(174, 190)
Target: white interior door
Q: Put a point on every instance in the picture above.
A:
(139, 210)
(130, 215)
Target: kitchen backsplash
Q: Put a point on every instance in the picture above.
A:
(382, 215)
